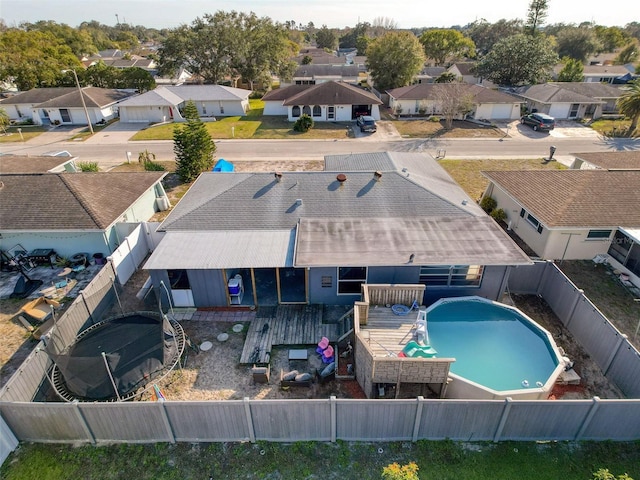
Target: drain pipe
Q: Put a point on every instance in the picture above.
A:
(168, 296)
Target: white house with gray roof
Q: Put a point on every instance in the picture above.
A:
(316, 237)
(165, 104)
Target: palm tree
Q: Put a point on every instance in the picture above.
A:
(4, 119)
(629, 104)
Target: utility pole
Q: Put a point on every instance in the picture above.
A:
(84, 105)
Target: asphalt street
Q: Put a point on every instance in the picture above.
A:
(111, 151)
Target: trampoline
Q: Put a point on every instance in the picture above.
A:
(116, 359)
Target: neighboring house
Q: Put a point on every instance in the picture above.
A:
(316, 237)
(315, 74)
(428, 99)
(64, 105)
(326, 102)
(178, 78)
(165, 103)
(570, 100)
(568, 214)
(76, 212)
(37, 164)
(607, 74)
(464, 72)
(428, 74)
(625, 160)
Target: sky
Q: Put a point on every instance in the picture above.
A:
(333, 13)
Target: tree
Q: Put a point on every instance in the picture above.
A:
(326, 38)
(348, 40)
(628, 54)
(519, 60)
(136, 77)
(34, 59)
(307, 59)
(395, 471)
(79, 41)
(538, 11)
(381, 25)
(394, 59)
(576, 42)
(572, 71)
(629, 104)
(446, 77)
(193, 145)
(5, 121)
(362, 43)
(447, 43)
(485, 35)
(605, 474)
(455, 100)
(611, 38)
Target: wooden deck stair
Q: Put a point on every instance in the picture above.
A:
(291, 325)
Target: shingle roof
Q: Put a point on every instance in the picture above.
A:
(26, 164)
(281, 94)
(606, 69)
(553, 93)
(38, 95)
(627, 160)
(93, 96)
(591, 89)
(464, 67)
(575, 198)
(69, 201)
(161, 96)
(199, 93)
(433, 91)
(326, 70)
(333, 93)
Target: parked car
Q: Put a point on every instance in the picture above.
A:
(539, 121)
(366, 123)
(57, 153)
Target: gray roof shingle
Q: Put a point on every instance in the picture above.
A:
(332, 93)
(433, 91)
(69, 201)
(626, 160)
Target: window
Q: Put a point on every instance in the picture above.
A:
(452, 276)
(306, 110)
(317, 111)
(350, 280)
(178, 279)
(534, 222)
(295, 111)
(598, 234)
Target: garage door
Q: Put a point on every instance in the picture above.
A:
(134, 114)
(501, 111)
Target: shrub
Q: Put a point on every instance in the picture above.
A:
(397, 472)
(434, 118)
(88, 166)
(153, 167)
(498, 215)
(303, 124)
(488, 204)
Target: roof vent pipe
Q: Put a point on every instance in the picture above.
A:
(377, 175)
(278, 176)
(299, 201)
(341, 177)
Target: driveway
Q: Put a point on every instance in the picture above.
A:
(564, 129)
(386, 131)
(117, 132)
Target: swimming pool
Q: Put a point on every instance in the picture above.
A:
(499, 351)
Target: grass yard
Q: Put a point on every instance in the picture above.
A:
(436, 460)
(610, 127)
(467, 172)
(430, 129)
(12, 134)
(253, 125)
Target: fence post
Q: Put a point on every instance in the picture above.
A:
(418, 420)
(167, 423)
(588, 417)
(543, 277)
(83, 422)
(247, 412)
(86, 306)
(334, 417)
(605, 368)
(580, 295)
(503, 419)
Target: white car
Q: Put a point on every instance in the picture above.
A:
(57, 153)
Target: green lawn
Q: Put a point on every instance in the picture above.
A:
(12, 134)
(253, 125)
(610, 128)
(443, 460)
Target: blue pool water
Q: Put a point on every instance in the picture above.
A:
(493, 346)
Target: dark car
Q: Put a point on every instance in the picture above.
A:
(366, 123)
(539, 121)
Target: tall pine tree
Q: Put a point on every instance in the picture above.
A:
(192, 145)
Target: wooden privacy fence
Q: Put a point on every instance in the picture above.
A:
(324, 420)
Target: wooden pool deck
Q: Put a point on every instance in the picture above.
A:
(288, 325)
(387, 332)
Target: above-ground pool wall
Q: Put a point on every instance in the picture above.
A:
(491, 287)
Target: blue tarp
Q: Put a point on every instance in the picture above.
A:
(223, 166)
